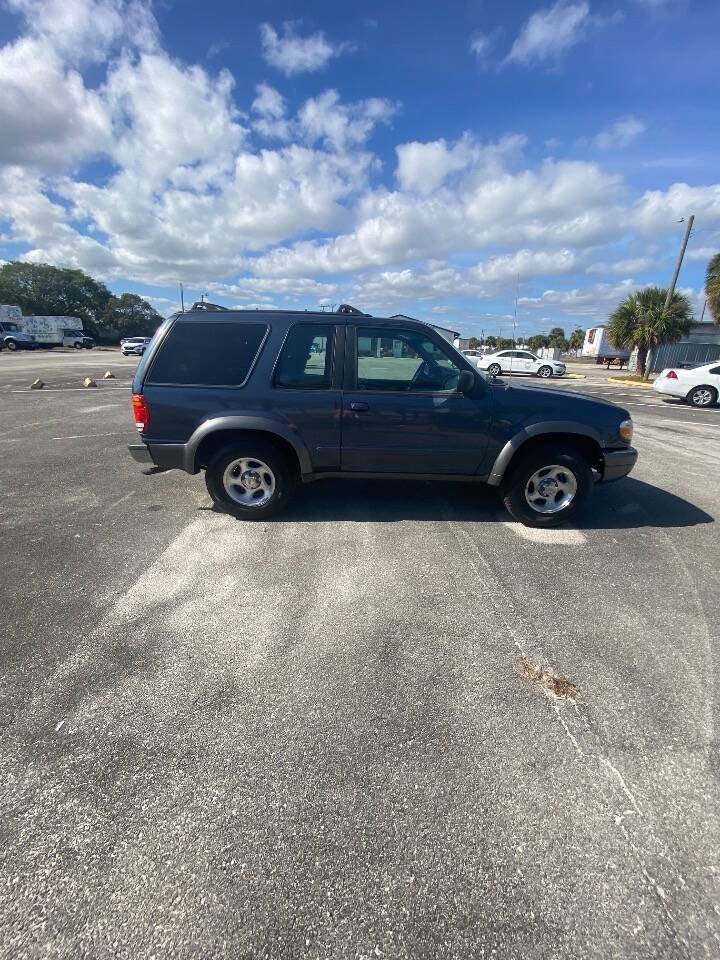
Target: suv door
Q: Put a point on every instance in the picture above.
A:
(402, 412)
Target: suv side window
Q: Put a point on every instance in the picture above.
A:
(207, 353)
(397, 359)
(305, 361)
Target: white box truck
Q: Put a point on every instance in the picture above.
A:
(12, 334)
(597, 345)
(57, 332)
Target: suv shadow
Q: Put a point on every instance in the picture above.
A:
(626, 504)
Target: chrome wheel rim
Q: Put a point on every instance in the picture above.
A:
(494, 369)
(249, 481)
(545, 372)
(702, 398)
(551, 489)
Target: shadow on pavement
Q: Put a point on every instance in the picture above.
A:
(626, 504)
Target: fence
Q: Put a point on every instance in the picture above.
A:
(683, 355)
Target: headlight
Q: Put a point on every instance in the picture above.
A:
(626, 430)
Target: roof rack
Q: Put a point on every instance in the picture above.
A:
(352, 311)
(204, 305)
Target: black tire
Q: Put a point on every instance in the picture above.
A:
(545, 372)
(572, 463)
(263, 452)
(11, 345)
(78, 346)
(698, 396)
(494, 370)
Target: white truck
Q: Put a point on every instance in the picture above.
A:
(12, 334)
(57, 332)
(597, 345)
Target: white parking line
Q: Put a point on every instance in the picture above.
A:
(86, 436)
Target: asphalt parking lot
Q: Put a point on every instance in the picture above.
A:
(308, 738)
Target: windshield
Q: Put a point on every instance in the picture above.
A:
(11, 328)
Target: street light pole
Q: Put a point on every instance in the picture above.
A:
(671, 288)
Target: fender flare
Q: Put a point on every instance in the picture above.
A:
(536, 430)
(230, 422)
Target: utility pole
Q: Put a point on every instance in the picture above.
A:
(182, 297)
(517, 289)
(671, 288)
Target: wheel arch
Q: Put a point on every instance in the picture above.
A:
(221, 431)
(576, 436)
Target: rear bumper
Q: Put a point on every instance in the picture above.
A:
(668, 388)
(618, 463)
(140, 452)
(165, 456)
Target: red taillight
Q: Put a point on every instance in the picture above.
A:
(671, 375)
(140, 412)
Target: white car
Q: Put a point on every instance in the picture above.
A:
(134, 345)
(700, 387)
(520, 361)
(472, 355)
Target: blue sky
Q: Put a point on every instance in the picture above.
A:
(427, 158)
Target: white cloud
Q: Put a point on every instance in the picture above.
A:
(621, 134)
(622, 268)
(339, 125)
(292, 54)
(271, 121)
(480, 45)
(85, 30)
(48, 117)
(550, 32)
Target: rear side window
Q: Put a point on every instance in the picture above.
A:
(305, 361)
(716, 371)
(207, 353)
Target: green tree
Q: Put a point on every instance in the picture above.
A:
(128, 315)
(474, 343)
(43, 290)
(577, 339)
(537, 341)
(504, 343)
(557, 336)
(640, 320)
(712, 287)
(491, 342)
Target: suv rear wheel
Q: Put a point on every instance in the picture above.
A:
(548, 487)
(250, 479)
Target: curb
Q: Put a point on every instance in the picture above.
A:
(574, 376)
(631, 383)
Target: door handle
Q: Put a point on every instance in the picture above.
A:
(359, 405)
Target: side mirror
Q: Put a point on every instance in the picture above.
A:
(466, 381)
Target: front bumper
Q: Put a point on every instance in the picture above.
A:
(618, 463)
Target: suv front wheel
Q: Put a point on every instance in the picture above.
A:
(251, 480)
(548, 487)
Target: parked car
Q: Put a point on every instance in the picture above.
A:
(700, 387)
(472, 355)
(134, 345)
(520, 361)
(14, 338)
(257, 409)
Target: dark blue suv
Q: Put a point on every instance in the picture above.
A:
(263, 399)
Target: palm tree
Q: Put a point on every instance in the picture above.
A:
(712, 287)
(641, 321)
(577, 339)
